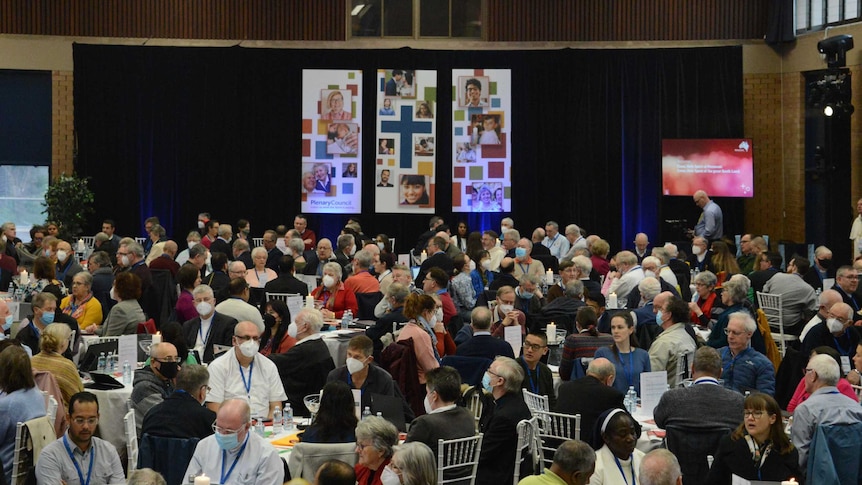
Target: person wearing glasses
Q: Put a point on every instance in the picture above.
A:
(155, 382)
(846, 282)
(758, 449)
(80, 457)
(182, 414)
(242, 372)
(836, 331)
(538, 377)
(743, 368)
(235, 454)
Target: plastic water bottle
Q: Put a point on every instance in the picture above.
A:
(289, 425)
(627, 402)
(379, 414)
(102, 363)
(277, 424)
(260, 428)
(127, 373)
(346, 319)
(111, 365)
(633, 398)
(367, 412)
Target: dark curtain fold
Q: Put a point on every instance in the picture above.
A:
(175, 131)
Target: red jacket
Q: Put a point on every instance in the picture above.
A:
(343, 300)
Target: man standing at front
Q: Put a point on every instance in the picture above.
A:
(503, 380)
(233, 453)
(242, 371)
(710, 225)
(78, 457)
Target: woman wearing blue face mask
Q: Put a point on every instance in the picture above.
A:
(31, 327)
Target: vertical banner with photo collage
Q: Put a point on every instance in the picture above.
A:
(331, 141)
(405, 173)
(482, 135)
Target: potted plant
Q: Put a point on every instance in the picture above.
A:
(68, 202)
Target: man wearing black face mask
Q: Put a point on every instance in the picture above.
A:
(155, 382)
(822, 268)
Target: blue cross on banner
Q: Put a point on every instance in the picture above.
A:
(406, 128)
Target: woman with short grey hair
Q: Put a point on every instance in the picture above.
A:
(734, 294)
(415, 464)
(375, 438)
(707, 307)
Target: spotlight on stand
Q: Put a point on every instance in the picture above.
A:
(831, 93)
(835, 48)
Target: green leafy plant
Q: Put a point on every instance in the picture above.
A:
(68, 202)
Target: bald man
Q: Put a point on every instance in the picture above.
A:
(252, 459)
(166, 259)
(710, 225)
(837, 332)
(590, 395)
(154, 382)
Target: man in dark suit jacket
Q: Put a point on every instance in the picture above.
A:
(436, 258)
(768, 265)
(223, 242)
(272, 252)
(304, 368)
(241, 252)
(482, 343)
(500, 423)
(446, 420)
(590, 395)
(181, 414)
(219, 280)
(218, 327)
(323, 255)
(286, 282)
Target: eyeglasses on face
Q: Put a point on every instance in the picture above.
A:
(757, 413)
(168, 359)
(218, 429)
(735, 333)
(533, 347)
(245, 338)
(89, 421)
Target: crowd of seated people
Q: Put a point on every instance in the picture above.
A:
(471, 290)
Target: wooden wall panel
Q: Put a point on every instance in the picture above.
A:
(177, 19)
(625, 20)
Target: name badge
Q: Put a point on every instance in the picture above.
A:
(845, 364)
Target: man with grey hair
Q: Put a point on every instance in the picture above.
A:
(574, 464)
(663, 270)
(568, 304)
(182, 414)
(558, 245)
(209, 328)
(798, 300)
(99, 265)
(644, 314)
(154, 382)
(254, 459)
(345, 245)
(223, 241)
(576, 241)
(539, 249)
(241, 252)
(629, 273)
(680, 269)
(482, 344)
(583, 266)
(528, 296)
(641, 243)
(396, 294)
(825, 406)
(837, 332)
(660, 467)
(243, 371)
(303, 368)
(746, 368)
(361, 281)
(510, 241)
(524, 263)
(499, 425)
(827, 299)
(590, 395)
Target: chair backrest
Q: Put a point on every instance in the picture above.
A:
(148, 327)
(140, 240)
(258, 241)
(168, 456)
(554, 429)
(550, 262)
(474, 403)
(691, 447)
(279, 296)
(47, 383)
(458, 459)
(535, 402)
(306, 458)
(30, 438)
(366, 303)
(131, 439)
(683, 366)
(835, 455)
(52, 409)
(529, 443)
(771, 304)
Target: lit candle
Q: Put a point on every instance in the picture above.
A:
(612, 300)
(81, 246)
(549, 277)
(424, 256)
(157, 338)
(551, 331)
(792, 481)
(25, 277)
(202, 480)
(309, 301)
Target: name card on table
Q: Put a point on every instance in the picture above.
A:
(653, 385)
(512, 335)
(295, 305)
(127, 350)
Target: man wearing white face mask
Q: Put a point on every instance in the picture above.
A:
(701, 257)
(210, 327)
(361, 373)
(304, 368)
(67, 267)
(234, 453)
(445, 419)
(242, 372)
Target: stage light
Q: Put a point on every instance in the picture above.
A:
(828, 111)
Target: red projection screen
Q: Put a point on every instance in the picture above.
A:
(722, 167)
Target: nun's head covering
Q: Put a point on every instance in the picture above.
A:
(604, 421)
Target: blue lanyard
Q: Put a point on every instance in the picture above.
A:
(350, 383)
(634, 477)
(631, 370)
(839, 347)
(534, 387)
(35, 330)
(248, 383)
(235, 460)
(75, 462)
(201, 331)
(525, 270)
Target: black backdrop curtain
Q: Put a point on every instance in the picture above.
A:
(176, 131)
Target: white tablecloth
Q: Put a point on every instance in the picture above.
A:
(112, 410)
